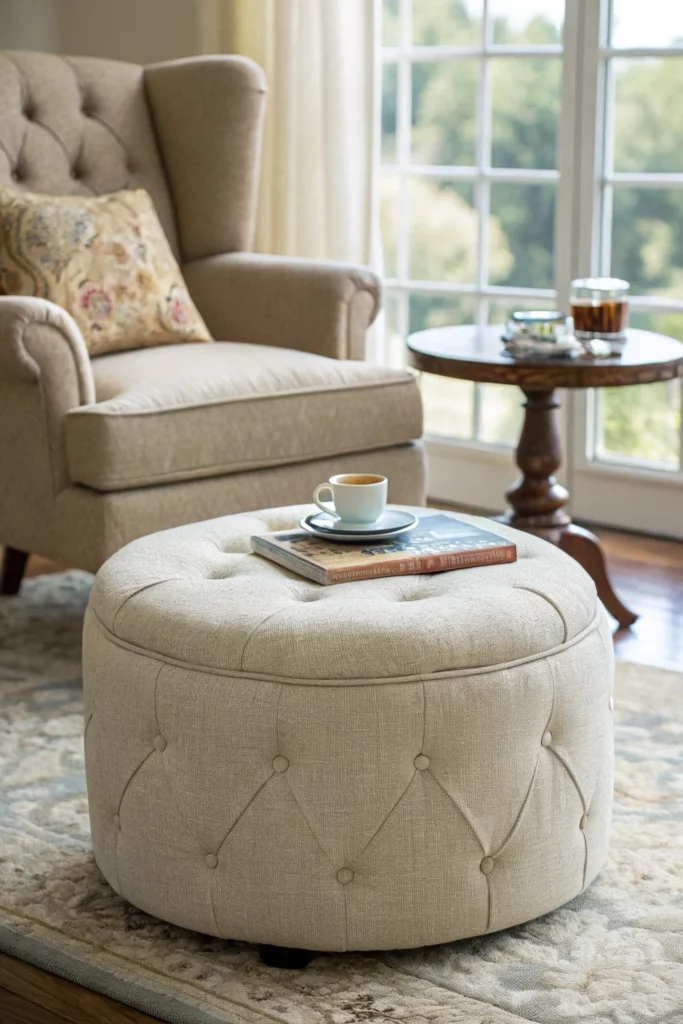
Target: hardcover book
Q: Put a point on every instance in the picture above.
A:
(440, 542)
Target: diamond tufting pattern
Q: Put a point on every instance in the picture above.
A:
(419, 791)
(78, 126)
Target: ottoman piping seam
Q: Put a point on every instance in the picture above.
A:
(308, 681)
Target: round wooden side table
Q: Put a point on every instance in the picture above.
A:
(537, 500)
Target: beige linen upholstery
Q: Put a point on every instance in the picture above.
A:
(305, 304)
(224, 408)
(79, 126)
(91, 458)
(209, 114)
(44, 372)
(92, 525)
(380, 764)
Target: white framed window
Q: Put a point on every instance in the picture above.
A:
(453, 179)
(627, 443)
(525, 142)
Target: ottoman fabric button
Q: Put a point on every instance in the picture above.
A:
(345, 875)
(280, 763)
(211, 860)
(547, 738)
(487, 865)
(421, 762)
(583, 822)
(160, 743)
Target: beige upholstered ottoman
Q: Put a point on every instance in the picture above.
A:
(372, 765)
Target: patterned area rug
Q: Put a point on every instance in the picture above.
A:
(612, 956)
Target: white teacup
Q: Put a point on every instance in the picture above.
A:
(356, 497)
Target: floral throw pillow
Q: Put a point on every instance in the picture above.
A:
(106, 260)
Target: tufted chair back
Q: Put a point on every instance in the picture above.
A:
(79, 126)
(187, 131)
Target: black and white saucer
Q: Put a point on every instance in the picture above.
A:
(392, 523)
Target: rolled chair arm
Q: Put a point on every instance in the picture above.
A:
(44, 373)
(312, 305)
(39, 341)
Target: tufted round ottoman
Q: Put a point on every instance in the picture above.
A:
(372, 765)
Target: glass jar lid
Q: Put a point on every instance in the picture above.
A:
(599, 289)
(533, 317)
(538, 324)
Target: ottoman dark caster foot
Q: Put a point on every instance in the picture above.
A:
(12, 571)
(288, 959)
(537, 500)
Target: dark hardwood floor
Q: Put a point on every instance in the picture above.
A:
(31, 996)
(648, 574)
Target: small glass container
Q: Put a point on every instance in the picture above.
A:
(599, 308)
(536, 325)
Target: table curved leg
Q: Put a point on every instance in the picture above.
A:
(585, 547)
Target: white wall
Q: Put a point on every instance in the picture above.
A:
(137, 30)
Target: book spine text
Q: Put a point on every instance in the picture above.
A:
(425, 563)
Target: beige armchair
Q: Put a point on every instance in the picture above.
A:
(94, 453)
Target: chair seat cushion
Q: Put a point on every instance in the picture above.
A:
(165, 414)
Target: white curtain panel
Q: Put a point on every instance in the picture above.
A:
(317, 190)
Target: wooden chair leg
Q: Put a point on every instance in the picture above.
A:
(12, 571)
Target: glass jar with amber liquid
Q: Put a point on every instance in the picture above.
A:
(599, 307)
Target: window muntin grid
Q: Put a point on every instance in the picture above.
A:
(477, 290)
(634, 199)
(464, 281)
